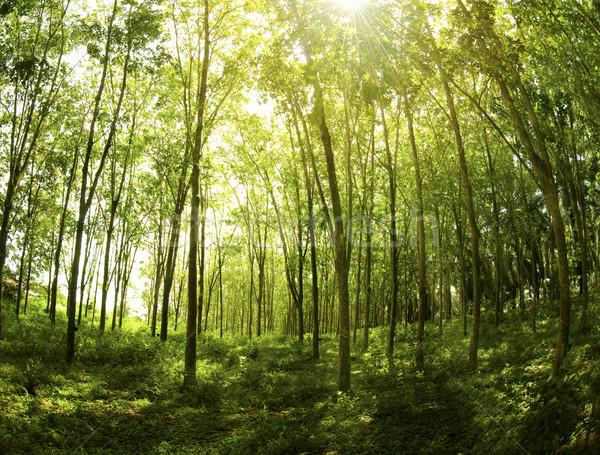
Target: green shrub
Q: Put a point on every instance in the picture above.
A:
(207, 393)
(250, 351)
(213, 349)
(117, 347)
(33, 336)
(252, 375)
(553, 416)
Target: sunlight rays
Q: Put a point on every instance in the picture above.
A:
(350, 5)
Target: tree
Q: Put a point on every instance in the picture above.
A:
(196, 155)
(528, 125)
(116, 189)
(85, 199)
(32, 59)
(420, 233)
(390, 168)
(342, 259)
(468, 193)
(140, 27)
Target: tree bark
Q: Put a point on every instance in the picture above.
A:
(468, 192)
(170, 270)
(202, 246)
(189, 378)
(422, 280)
(160, 270)
(61, 232)
(391, 172)
(172, 248)
(309, 185)
(496, 233)
(369, 253)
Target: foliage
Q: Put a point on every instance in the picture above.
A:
(269, 396)
(117, 347)
(121, 106)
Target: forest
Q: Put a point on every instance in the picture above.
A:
(300, 226)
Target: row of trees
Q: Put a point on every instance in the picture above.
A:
(301, 166)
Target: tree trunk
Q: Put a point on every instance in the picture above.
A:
(189, 378)
(340, 241)
(61, 232)
(520, 277)
(391, 172)
(97, 262)
(440, 268)
(543, 169)
(21, 273)
(468, 192)
(422, 280)
(358, 286)
(160, 270)
(107, 275)
(369, 254)
(462, 293)
(300, 252)
(309, 185)
(580, 237)
(173, 247)
(8, 205)
(261, 290)
(170, 270)
(201, 267)
(86, 199)
(496, 232)
(367, 284)
(220, 259)
(118, 276)
(85, 276)
(250, 291)
(315, 282)
(27, 282)
(49, 284)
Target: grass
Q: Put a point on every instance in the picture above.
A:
(268, 396)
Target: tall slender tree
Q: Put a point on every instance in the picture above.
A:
(37, 49)
(86, 197)
(196, 155)
(342, 261)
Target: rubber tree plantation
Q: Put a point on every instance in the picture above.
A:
(300, 226)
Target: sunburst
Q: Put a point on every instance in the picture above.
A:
(351, 5)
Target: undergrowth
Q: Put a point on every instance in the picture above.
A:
(123, 393)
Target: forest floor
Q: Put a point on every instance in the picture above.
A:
(268, 396)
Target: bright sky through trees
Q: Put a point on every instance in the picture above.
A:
(351, 5)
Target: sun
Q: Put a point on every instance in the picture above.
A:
(351, 5)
